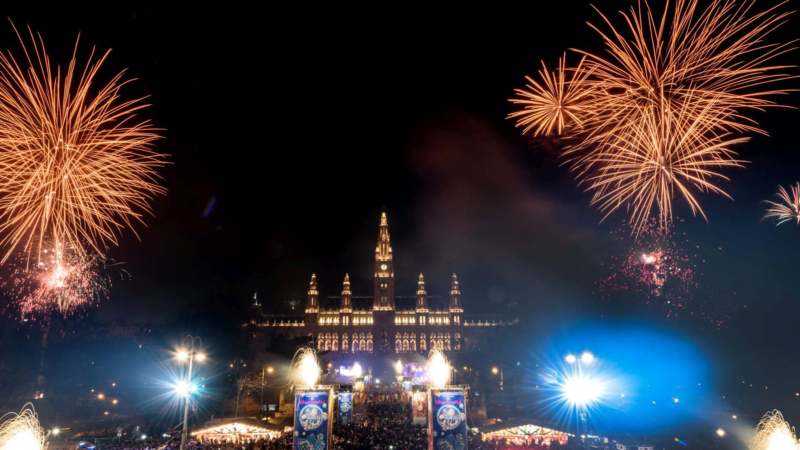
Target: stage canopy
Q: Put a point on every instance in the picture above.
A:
(524, 435)
(237, 430)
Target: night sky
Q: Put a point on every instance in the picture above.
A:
(290, 131)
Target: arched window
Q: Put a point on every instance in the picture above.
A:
(447, 341)
(335, 343)
(369, 345)
(363, 344)
(405, 345)
(412, 345)
(398, 346)
(355, 346)
(345, 343)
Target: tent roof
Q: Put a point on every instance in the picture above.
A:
(236, 425)
(521, 429)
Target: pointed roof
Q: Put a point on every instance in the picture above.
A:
(455, 286)
(421, 285)
(346, 285)
(383, 249)
(313, 289)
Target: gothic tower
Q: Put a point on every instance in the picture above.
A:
(422, 302)
(346, 308)
(384, 269)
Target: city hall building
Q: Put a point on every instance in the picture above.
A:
(381, 327)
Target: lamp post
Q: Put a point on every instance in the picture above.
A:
(499, 371)
(264, 371)
(581, 390)
(188, 354)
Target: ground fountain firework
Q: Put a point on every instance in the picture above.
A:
(22, 431)
(774, 433)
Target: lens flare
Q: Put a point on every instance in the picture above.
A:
(774, 433)
(581, 390)
(21, 431)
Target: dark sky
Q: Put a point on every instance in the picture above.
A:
(302, 125)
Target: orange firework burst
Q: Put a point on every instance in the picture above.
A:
(76, 164)
(558, 102)
(657, 115)
(787, 208)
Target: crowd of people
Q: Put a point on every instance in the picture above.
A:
(378, 426)
(383, 426)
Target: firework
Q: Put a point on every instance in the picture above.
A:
(657, 115)
(787, 208)
(21, 431)
(77, 165)
(62, 281)
(555, 104)
(774, 433)
(656, 269)
(438, 369)
(668, 153)
(305, 367)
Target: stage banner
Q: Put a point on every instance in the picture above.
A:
(419, 408)
(345, 407)
(447, 419)
(312, 421)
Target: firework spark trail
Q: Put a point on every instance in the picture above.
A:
(554, 104)
(62, 281)
(787, 208)
(21, 431)
(77, 166)
(657, 115)
(657, 270)
(774, 433)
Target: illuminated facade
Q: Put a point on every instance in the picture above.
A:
(382, 327)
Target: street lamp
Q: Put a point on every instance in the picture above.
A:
(581, 389)
(188, 354)
(498, 371)
(264, 371)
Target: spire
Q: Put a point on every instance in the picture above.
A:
(313, 295)
(455, 293)
(347, 294)
(383, 249)
(384, 268)
(422, 303)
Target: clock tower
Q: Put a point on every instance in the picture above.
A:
(384, 269)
